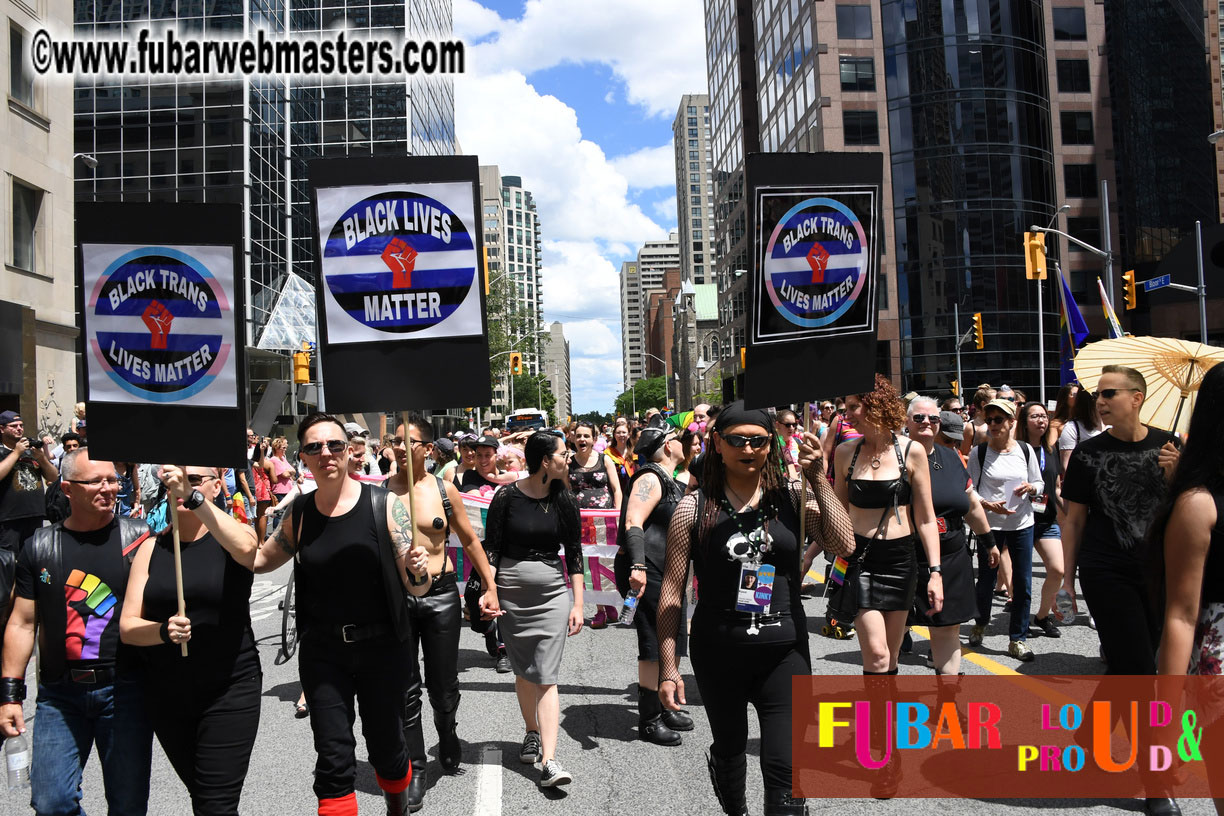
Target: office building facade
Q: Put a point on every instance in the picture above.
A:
(694, 188)
(556, 369)
(637, 281)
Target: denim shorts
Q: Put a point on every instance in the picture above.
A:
(1048, 529)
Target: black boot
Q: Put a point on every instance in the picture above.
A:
(449, 749)
(677, 720)
(651, 727)
(418, 759)
(397, 803)
(779, 802)
(728, 777)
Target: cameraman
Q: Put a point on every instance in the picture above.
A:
(24, 467)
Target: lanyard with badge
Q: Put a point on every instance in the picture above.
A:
(754, 589)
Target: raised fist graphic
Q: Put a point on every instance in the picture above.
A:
(158, 318)
(400, 259)
(818, 259)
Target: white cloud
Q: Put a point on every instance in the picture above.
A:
(666, 209)
(649, 167)
(581, 196)
(579, 282)
(592, 338)
(656, 49)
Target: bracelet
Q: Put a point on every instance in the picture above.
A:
(641, 567)
(12, 690)
(164, 631)
(412, 579)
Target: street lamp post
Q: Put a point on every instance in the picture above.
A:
(666, 393)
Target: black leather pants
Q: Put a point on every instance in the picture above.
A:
(436, 619)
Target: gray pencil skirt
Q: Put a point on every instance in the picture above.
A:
(537, 603)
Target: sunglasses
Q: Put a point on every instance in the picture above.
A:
(195, 479)
(931, 418)
(1110, 393)
(789, 424)
(334, 446)
(739, 441)
(996, 420)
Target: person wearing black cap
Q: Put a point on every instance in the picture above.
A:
(486, 466)
(651, 501)
(747, 644)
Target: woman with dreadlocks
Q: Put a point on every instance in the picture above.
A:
(749, 632)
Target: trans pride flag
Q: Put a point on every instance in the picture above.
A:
(1072, 330)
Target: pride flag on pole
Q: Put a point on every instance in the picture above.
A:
(1072, 330)
(1115, 328)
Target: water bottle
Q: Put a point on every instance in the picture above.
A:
(631, 605)
(17, 751)
(1064, 607)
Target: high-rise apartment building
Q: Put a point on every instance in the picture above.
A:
(38, 323)
(990, 116)
(248, 141)
(694, 188)
(637, 282)
(557, 369)
(521, 243)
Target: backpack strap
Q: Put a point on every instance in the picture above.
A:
(981, 455)
(448, 509)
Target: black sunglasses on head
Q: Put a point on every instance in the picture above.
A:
(739, 441)
(334, 447)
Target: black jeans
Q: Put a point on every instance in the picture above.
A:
(436, 618)
(731, 676)
(1118, 599)
(208, 734)
(374, 673)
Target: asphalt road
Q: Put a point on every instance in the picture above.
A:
(613, 772)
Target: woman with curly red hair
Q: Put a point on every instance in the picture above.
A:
(886, 486)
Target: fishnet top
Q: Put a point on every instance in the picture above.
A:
(826, 524)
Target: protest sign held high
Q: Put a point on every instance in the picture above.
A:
(161, 304)
(400, 283)
(812, 294)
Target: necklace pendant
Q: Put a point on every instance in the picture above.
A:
(875, 463)
(753, 629)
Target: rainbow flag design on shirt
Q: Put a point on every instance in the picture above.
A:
(90, 605)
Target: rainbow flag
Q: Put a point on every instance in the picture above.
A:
(1072, 330)
(1115, 327)
(838, 574)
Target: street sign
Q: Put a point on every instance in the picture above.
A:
(1152, 284)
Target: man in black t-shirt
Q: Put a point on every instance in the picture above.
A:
(23, 468)
(70, 581)
(1114, 484)
(486, 465)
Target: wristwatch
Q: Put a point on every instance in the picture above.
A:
(194, 501)
(935, 569)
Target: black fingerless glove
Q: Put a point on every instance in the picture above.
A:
(635, 543)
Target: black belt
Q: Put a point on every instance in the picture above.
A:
(734, 616)
(102, 676)
(354, 632)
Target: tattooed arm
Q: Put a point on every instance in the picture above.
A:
(278, 549)
(644, 494)
(412, 561)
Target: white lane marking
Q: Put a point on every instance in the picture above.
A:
(489, 785)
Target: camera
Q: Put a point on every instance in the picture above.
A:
(37, 444)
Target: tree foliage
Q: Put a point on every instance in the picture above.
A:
(649, 393)
(595, 417)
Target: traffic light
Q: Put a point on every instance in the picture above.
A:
(516, 363)
(743, 357)
(979, 336)
(1035, 255)
(956, 388)
(1128, 281)
(301, 367)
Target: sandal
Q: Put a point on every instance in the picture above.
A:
(300, 711)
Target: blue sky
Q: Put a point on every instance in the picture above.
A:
(578, 98)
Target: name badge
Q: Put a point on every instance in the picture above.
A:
(755, 589)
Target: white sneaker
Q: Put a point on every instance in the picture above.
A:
(552, 774)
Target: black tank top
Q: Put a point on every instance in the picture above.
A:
(217, 591)
(338, 570)
(874, 494)
(655, 526)
(717, 563)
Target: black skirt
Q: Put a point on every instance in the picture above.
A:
(960, 602)
(889, 573)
